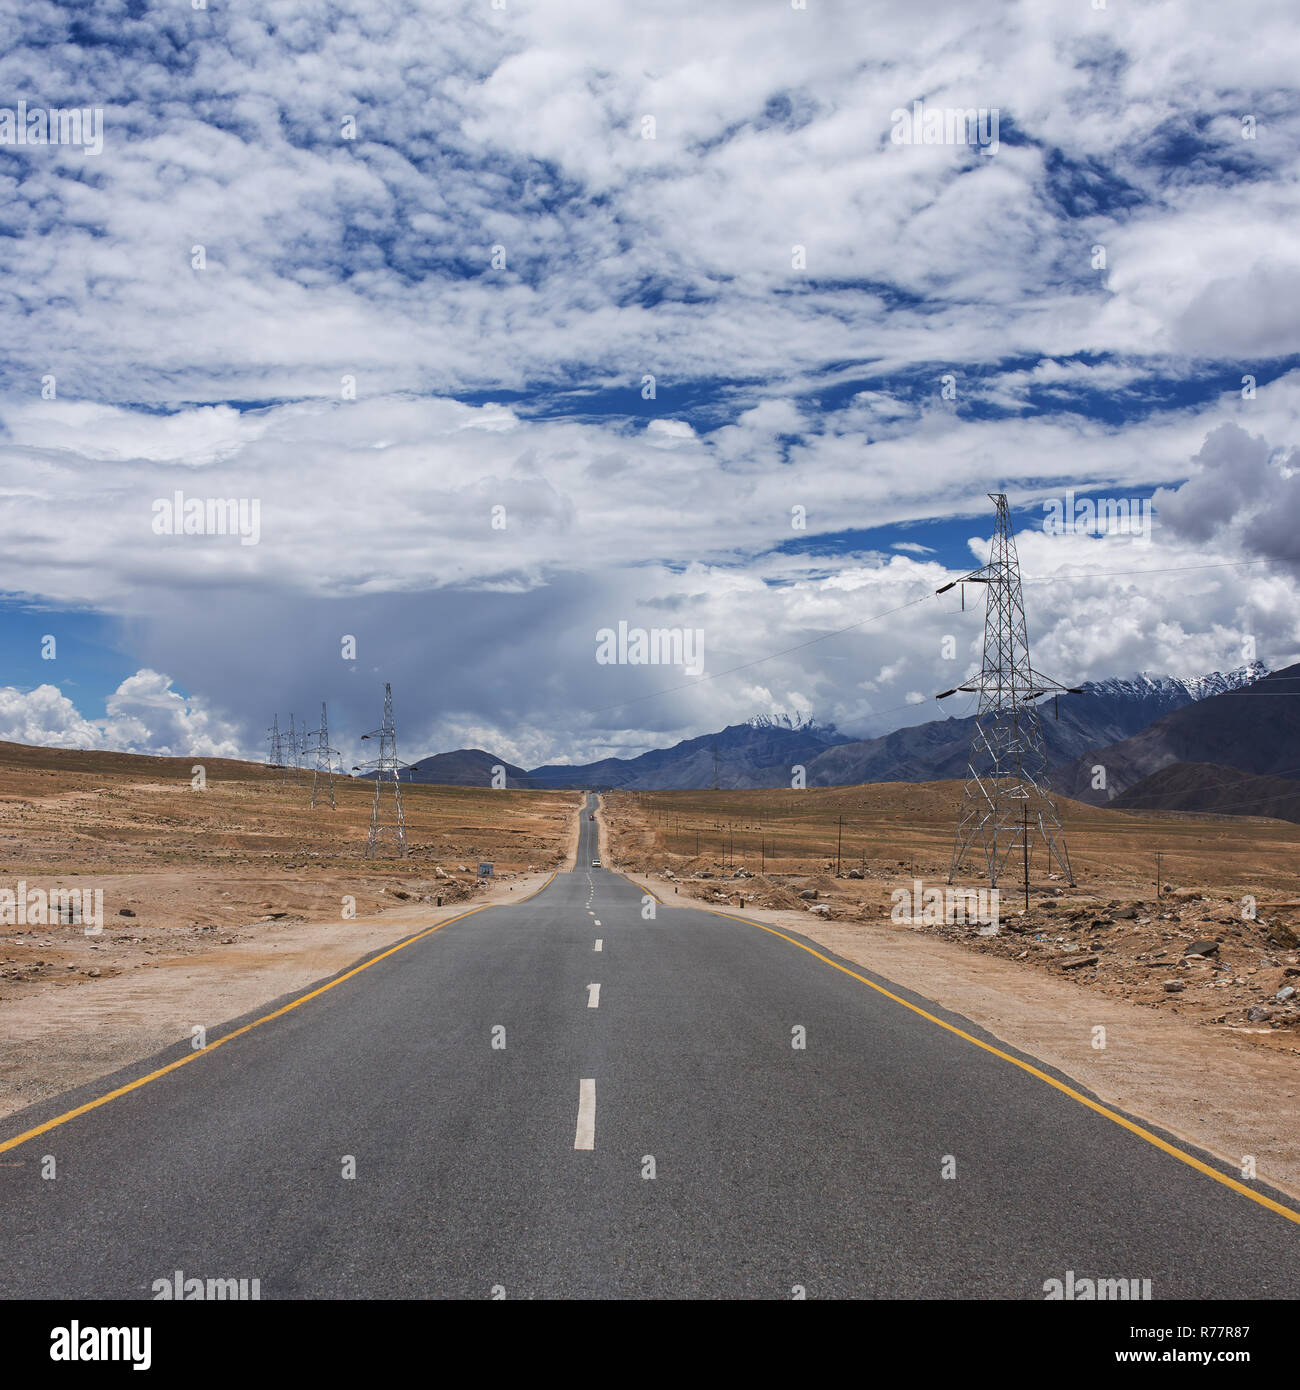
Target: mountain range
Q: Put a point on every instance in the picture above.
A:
(1134, 727)
(1253, 729)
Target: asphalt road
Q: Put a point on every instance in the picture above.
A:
(775, 1168)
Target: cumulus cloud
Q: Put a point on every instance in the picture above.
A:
(143, 715)
(1241, 488)
(421, 352)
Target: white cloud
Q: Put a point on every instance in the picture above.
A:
(143, 715)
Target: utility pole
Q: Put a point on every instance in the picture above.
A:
(386, 764)
(1157, 878)
(1024, 836)
(1007, 769)
(839, 841)
(715, 767)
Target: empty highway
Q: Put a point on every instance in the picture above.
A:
(567, 1098)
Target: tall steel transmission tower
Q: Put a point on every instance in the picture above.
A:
(294, 760)
(324, 760)
(386, 766)
(276, 740)
(1006, 804)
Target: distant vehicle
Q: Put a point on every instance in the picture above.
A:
(592, 817)
(595, 863)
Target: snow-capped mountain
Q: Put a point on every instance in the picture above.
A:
(763, 751)
(1106, 712)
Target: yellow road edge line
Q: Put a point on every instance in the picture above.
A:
(1131, 1126)
(247, 1028)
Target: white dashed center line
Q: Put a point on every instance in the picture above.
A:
(586, 1135)
(593, 996)
(599, 946)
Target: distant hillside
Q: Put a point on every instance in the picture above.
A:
(759, 753)
(1215, 790)
(1255, 729)
(97, 762)
(763, 752)
(466, 767)
(1104, 713)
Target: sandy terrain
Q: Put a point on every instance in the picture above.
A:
(217, 901)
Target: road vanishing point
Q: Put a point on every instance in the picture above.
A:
(568, 1097)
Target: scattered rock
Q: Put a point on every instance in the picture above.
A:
(1257, 1013)
(821, 909)
(125, 912)
(1202, 948)
(1175, 986)
(1077, 962)
(809, 894)
(1285, 993)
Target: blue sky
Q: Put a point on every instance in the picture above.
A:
(519, 322)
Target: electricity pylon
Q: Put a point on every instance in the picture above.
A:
(386, 763)
(324, 760)
(276, 739)
(294, 759)
(1006, 803)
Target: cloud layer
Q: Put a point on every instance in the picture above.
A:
(500, 370)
